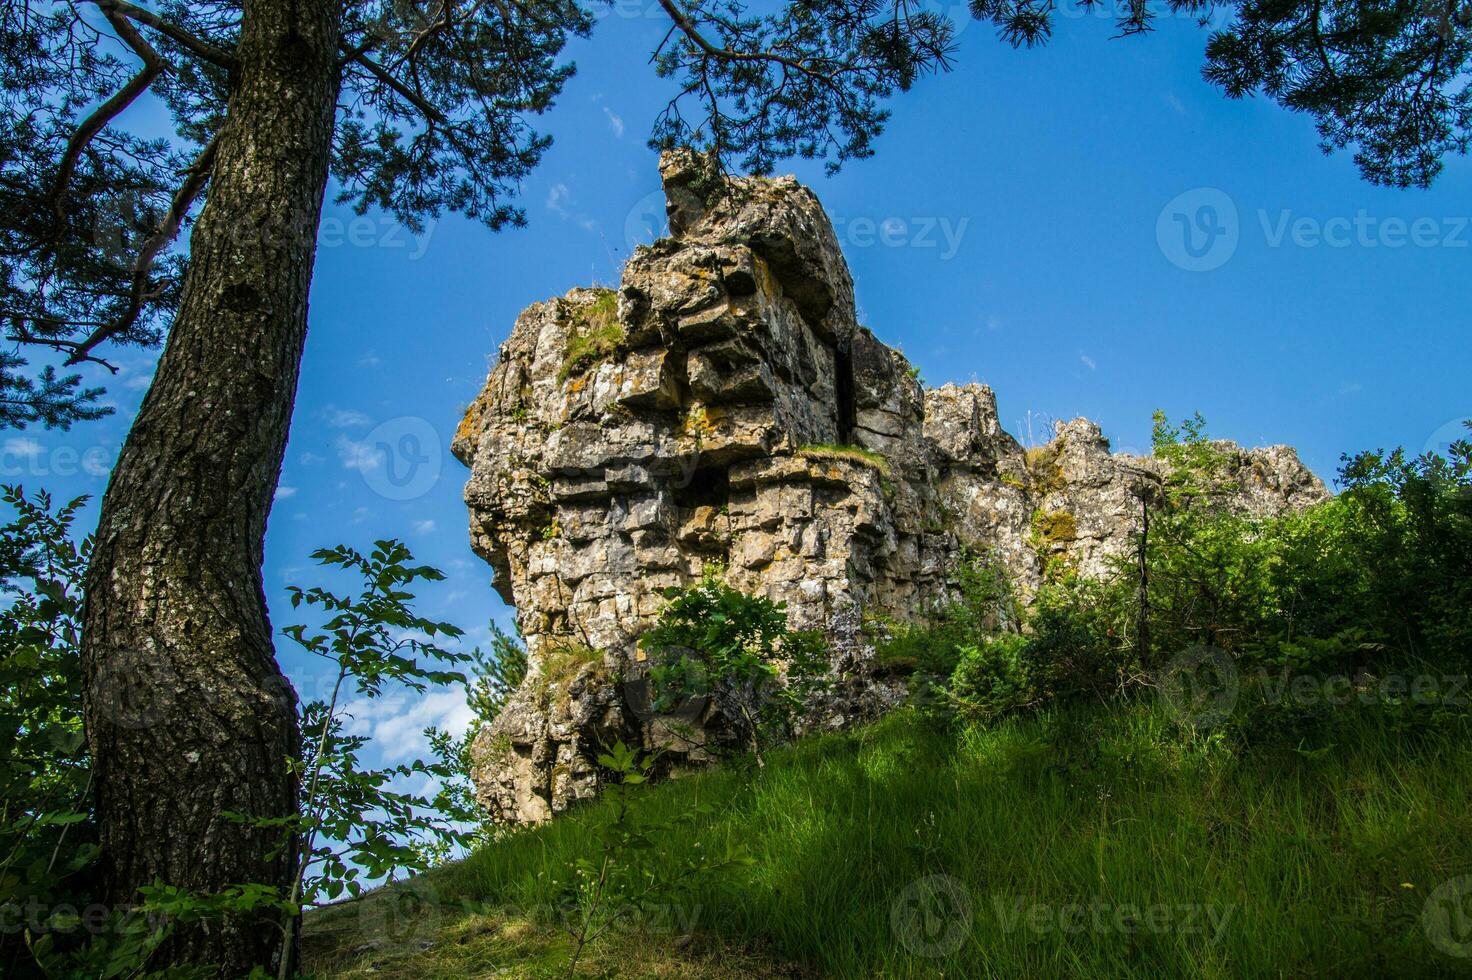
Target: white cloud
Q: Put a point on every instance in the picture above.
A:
(396, 722)
(22, 446)
(355, 455)
(615, 121)
(138, 382)
(310, 458)
(370, 359)
(1175, 103)
(1088, 362)
(344, 418)
(557, 200)
(424, 527)
(285, 493)
(95, 464)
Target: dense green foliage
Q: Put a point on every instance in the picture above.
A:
(715, 644)
(1367, 591)
(46, 844)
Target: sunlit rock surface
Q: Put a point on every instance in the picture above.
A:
(725, 408)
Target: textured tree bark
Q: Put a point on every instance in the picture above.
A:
(187, 713)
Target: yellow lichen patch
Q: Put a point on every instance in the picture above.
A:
(1055, 528)
(469, 426)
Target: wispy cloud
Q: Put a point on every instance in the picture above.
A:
(396, 723)
(1088, 362)
(22, 446)
(355, 455)
(344, 418)
(615, 121)
(285, 493)
(558, 199)
(424, 527)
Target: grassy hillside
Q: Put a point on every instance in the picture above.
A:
(1087, 841)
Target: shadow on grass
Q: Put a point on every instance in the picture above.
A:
(1082, 842)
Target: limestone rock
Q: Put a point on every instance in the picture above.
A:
(624, 441)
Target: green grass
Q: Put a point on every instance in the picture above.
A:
(1314, 864)
(597, 336)
(853, 454)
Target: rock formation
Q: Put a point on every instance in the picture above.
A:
(725, 407)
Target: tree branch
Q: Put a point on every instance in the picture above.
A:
(195, 178)
(689, 29)
(153, 66)
(195, 46)
(385, 76)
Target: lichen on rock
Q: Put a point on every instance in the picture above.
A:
(726, 408)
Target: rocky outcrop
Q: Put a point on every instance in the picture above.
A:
(725, 407)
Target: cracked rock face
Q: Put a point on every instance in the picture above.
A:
(724, 407)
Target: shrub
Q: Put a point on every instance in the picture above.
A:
(715, 642)
(994, 678)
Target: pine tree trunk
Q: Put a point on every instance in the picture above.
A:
(187, 713)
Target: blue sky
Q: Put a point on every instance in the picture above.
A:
(1024, 224)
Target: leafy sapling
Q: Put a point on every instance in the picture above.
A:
(630, 874)
(352, 826)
